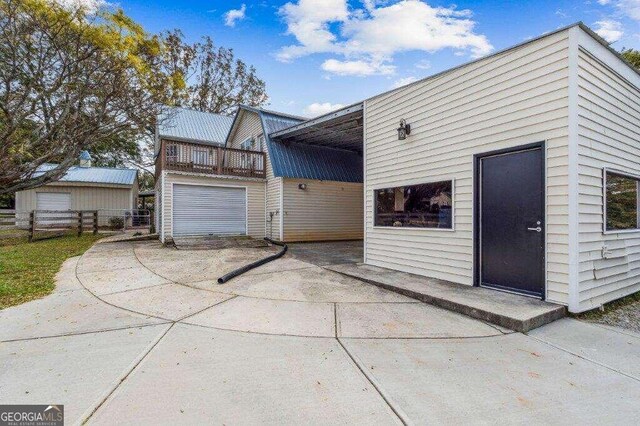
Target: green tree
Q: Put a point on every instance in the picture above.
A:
(632, 56)
(71, 80)
(207, 77)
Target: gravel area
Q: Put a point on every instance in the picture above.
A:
(626, 316)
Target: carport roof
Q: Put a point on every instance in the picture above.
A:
(340, 129)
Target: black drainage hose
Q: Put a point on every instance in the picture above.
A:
(223, 279)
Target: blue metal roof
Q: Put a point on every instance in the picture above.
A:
(84, 155)
(191, 125)
(303, 161)
(94, 175)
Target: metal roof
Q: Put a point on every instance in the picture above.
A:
(194, 126)
(298, 160)
(338, 129)
(94, 175)
(305, 161)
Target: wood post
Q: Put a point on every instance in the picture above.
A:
(95, 222)
(220, 160)
(32, 225)
(79, 223)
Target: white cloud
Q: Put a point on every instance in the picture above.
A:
(368, 38)
(609, 30)
(234, 15)
(423, 65)
(404, 81)
(604, 2)
(361, 68)
(631, 8)
(317, 108)
(88, 5)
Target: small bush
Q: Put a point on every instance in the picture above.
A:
(116, 222)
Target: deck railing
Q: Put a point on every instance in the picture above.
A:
(197, 158)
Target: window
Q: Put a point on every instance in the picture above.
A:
(427, 205)
(621, 202)
(247, 144)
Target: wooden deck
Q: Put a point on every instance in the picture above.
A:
(208, 159)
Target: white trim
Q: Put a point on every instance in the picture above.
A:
(161, 207)
(573, 183)
(364, 181)
(597, 51)
(281, 209)
(246, 200)
(422, 229)
(636, 177)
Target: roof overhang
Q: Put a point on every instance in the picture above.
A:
(340, 129)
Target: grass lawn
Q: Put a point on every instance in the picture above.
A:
(27, 270)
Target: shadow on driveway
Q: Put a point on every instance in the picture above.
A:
(328, 253)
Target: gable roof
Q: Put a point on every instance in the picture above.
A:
(189, 125)
(104, 175)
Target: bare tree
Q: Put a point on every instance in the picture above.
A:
(209, 78)
(70, 80)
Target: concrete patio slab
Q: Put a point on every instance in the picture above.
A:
(169, 301)
(508, 310)
(117, 280)
(328, 253)
(78, 371)
(512, 379)
(65, 313)
(406, 320)
(306, 285)
(204, 376)
(270, 317)
(617, 350)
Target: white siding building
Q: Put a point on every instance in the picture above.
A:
(566, 92)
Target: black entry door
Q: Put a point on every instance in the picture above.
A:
(511, 247)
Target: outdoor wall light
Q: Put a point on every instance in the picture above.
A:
(403, 130)
(302, 186)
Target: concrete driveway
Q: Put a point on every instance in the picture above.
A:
(139, 333)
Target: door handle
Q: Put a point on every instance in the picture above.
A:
(537, 229)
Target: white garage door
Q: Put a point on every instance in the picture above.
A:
(209, 210)
(53, 201)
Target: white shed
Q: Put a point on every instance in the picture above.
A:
(520, 173)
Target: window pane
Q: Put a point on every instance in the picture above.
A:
(416, 206)
(622, 202)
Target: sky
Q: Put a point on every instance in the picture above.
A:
(318, 55)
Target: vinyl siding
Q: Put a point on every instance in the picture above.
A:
(250, 126)
(324, 211)
(608, 129)
(95, 197)
(515, 98)
(255, 200)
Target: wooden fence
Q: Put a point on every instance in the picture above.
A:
(62, 221)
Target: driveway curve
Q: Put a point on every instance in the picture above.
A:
(136, 333)
(285, 297)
